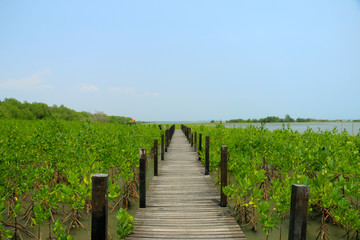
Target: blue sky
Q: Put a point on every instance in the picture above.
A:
(184, 60)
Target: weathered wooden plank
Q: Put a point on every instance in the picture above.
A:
(182, 202)
(185, 221)
(182, 235)
(187, 236)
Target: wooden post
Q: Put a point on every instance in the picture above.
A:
(207, 146)
(99, 211)
(166, 139)
(191, 139)
(162, 147)
(155, 157)
(223, 199)
(169, 138)
(298, 212)
(142, 185)
(195, 141)
(200, 142)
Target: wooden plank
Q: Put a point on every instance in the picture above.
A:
(186, 236)
(182, 202)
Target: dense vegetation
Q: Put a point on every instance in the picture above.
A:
(47, 166)
(264, 164)
(11, 108)
(271, 119)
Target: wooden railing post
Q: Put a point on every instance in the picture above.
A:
(207, 146)
(191, 140)
(223, 199)
(172, 130)
(195, 141)
(166, 139)
(99, 211)
(298, 212)
(162, 147)
(200, 143)
(155, 157)
(142, 185)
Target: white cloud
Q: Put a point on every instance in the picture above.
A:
(35, 81)
(89, 88)
(132, 92)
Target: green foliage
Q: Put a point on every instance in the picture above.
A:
(125, 223)
(11, 108)
(47, 168)
(3, 232)
(265, 164)
(118, 119)
(271, 119)
(59, 230)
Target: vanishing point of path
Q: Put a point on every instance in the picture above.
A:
(182, 202)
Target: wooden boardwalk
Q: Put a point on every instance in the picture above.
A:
(182, 202)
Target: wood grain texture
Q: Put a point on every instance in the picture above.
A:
(182, 202)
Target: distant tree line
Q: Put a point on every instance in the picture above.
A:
(14, 109)
(271, 119)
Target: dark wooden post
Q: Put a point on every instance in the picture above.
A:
(155, 157)
(142, 185)
(298, 212)
(191, 139)
(200, 142)
(207, 146)
(223, 199)
(195, 141)
(99, 211)
(166, 139)
(162, 147)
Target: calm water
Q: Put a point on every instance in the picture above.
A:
(351, 127)
(312, 232)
